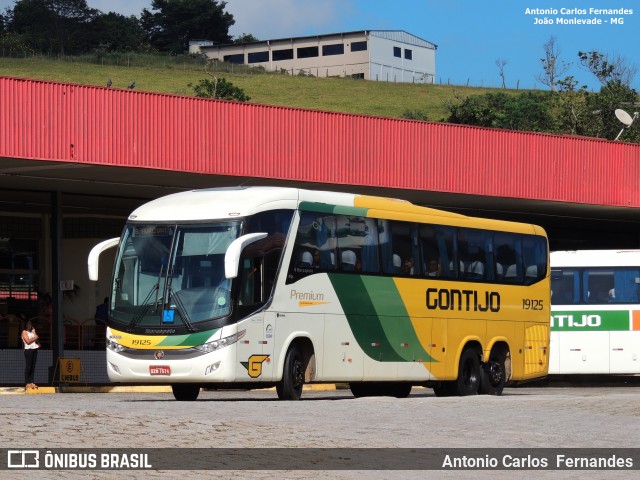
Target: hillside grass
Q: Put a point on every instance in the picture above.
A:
(173, 76)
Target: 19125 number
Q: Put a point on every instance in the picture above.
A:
(532, 304)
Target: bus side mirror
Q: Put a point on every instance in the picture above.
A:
(94, 256)
(232, 257)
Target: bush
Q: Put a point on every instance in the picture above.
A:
(220, 89)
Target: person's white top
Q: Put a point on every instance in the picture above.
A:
(32, 345)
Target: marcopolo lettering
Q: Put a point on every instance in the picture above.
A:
(467, 300)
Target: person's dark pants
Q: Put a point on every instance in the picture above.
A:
(30, 355)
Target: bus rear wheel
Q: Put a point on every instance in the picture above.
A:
(290, 388)
(493, 376)
(468, 381)
(185, 392)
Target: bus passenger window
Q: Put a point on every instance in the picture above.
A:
(349, 261)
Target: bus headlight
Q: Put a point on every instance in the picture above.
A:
(115, 346)
(218, 344)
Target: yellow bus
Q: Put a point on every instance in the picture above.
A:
(264, 286)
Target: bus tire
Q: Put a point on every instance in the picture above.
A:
(185, 392)
(468, 380)
(290, 387)
(445, 389)
(400, 390)
(493, 376)
(380, 389)
(360, 389)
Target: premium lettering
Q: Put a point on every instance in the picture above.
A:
(310, 296)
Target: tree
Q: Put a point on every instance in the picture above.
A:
(245, 38)
(528, 111)
(606, 69)
(478, 110)
(114, 32)
(219, 88)
(56, 26)
(613, 95)
(571, 106)
(553, 68)
(175, 22)
(501, 63)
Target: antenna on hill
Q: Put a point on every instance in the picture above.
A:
(626, 119)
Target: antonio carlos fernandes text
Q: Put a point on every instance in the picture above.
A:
(533, 462)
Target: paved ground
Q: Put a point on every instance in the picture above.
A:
(523, 417)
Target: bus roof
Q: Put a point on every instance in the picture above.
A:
(233, 202)
(595, 258)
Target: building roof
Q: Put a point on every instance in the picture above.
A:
(402, 37)
(89, 126)
(395, 35)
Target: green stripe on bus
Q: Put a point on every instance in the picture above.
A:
(365, 305)
(590, 320)
(188, 340)
(365, 324)
(334, 209)
(395, 319)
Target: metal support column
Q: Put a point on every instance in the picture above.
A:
(57, 320)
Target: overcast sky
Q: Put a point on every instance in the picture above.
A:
(471, 35)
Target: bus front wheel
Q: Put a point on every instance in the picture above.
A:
(468, 380)
(185, 392)
(290, 388)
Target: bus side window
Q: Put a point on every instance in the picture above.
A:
(351, 233)
(506, 247)
(369, 252)
(626, 288)
(250, 293)
(471, 247)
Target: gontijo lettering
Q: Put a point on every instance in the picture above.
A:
(467, 300)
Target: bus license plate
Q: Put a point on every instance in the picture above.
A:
(159, 370)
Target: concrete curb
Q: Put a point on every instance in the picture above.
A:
(131, 389)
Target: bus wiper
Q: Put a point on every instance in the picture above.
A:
(145, 308)
(182, 311)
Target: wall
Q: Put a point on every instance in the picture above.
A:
(81, 307)
(388, 68)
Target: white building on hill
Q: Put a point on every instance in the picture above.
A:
(382, 55)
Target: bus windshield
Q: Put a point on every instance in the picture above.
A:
(172, 275)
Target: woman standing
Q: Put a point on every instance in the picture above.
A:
(31, 345)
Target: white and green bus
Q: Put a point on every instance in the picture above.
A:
(595, 317)
(262, 286)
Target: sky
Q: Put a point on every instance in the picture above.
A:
(472, 36)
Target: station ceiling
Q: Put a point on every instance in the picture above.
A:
(26, 186)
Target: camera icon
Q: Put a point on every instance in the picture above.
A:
(23, 459)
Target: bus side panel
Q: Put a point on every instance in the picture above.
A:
(502, 330)
(625, 352)
(250, 356)
(441, 356)
(536, 350)
(554, 353)
(583, 352)
(343, 358)
(292, 325)
(461, 332)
